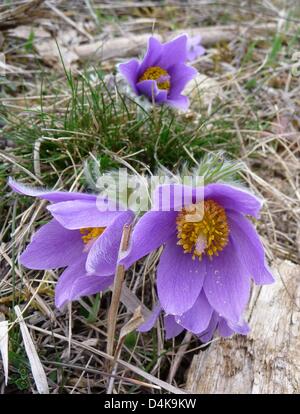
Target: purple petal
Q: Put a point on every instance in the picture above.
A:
(52, 246)
(180, 102)
(173, 52)
(194, 51)
(161, 97)
(194, 40)
(152, 56)
(66, 280)
(179, 279)
(226, 286)
(152, 230)
(172, 328)
(251, 252)
(200, 50)
(103, 255)
(77, 214)
(194, 47)
(130, 72)
(150, 322)
(241, 328)
(191, 55)
(173, 197)
(53, 196)
(207, 335)
(74, 283)
(89, 285)
(180, 74)
(224, 329)
(148, 88)
(233, 198)
(198, 317)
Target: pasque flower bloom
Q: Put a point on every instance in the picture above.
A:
(80, 237)
(211, 253)
(162, 75)
(194, 48)
(173, 325)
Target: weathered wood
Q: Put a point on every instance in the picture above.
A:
(132, 45)
(268, 360)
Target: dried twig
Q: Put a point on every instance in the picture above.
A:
(136, 320)
(179, 355)
(35, 363)
(115, 300)
(13, 17)
(164, 385)
(68, 20)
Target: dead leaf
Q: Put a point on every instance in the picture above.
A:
(37, 369)
(134, 322)
(4, 345)
(91, 342)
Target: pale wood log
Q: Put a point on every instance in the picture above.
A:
(132, 45)
(267, 361)
(115, 47)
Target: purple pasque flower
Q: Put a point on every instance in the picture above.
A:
(162, 75)
(211, 252)
(80, 237)
(204, 327)
(194, 48)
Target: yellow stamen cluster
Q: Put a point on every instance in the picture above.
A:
(154, 73)
(202, 228)
(90, 233)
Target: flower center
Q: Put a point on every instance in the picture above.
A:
(90, 233)
(158, 74)
(202, 228)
